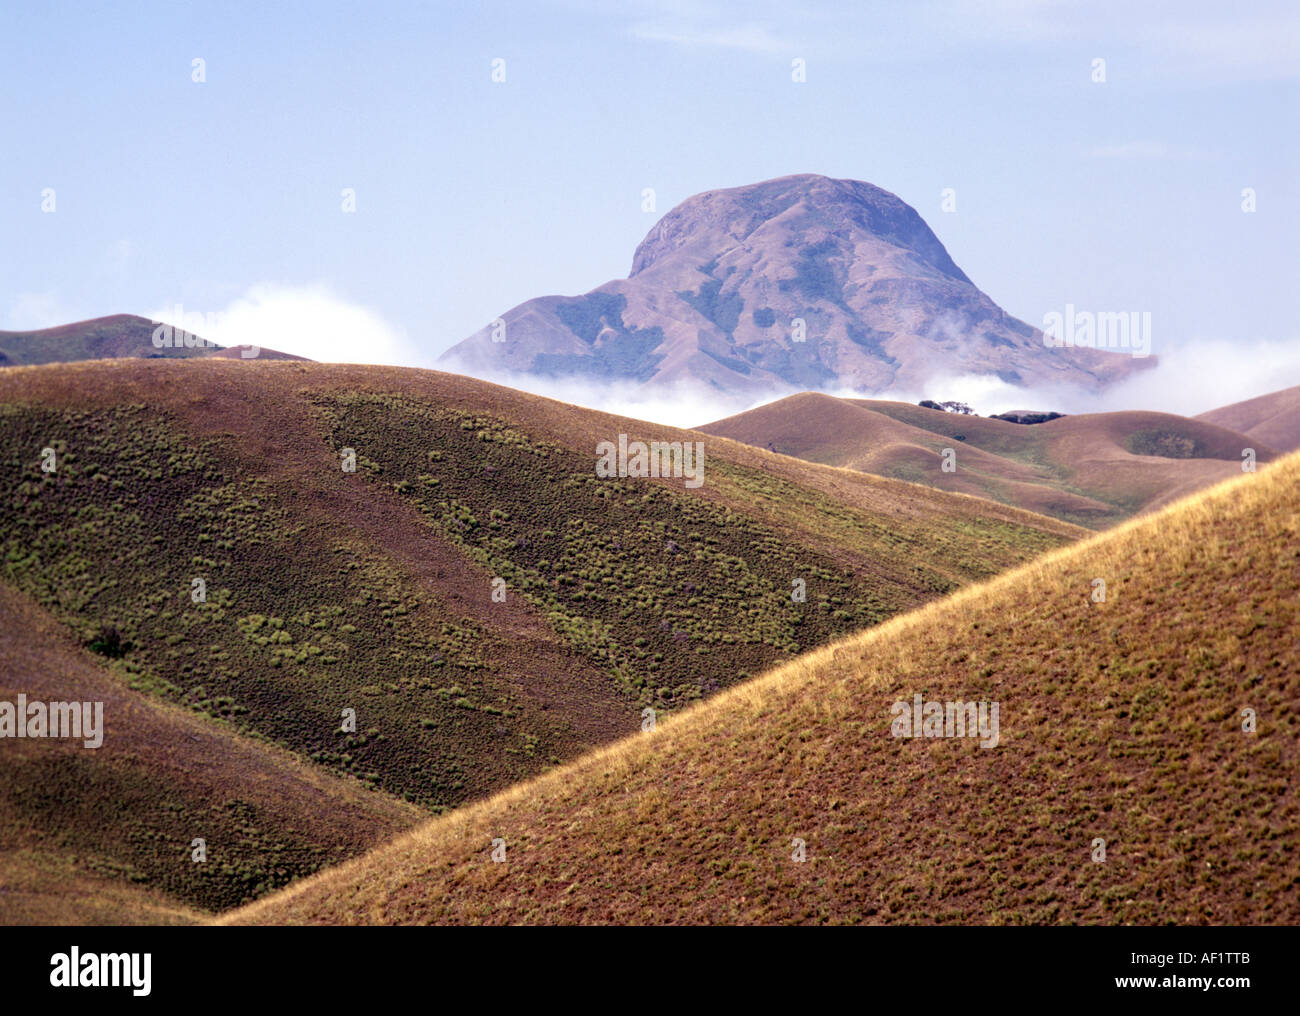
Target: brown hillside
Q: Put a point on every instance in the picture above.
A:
(1272, 419)
(1092, 469)
(1120, 721)
(108, 338)
(372, 590)
(102, 836)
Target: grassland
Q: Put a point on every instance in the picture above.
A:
(104, 835)
(371, 591)
(1093, 469)
(1272, 419)
(111, 337)
(1124, 725)
(676, 595)
(324, 591)
(118, 335)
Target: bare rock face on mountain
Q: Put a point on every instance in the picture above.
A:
(795, 283)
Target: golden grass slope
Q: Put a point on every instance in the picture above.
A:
(51, 887)
(1121, 721)
(1273, 419)
(1093, 469)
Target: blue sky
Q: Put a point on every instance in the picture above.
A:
(224, 197)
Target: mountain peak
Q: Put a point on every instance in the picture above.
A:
(805, 201)
(801, 282)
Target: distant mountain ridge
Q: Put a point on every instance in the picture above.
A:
(794, 283)
(111, 337)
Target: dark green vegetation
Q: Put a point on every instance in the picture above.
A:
(673, 594)
(1025, 418)
(722, 309)
(106, 834)
(1166, 444)
(589, 315)
(294, 628)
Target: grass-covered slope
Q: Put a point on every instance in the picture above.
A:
(119, 335)
(1273, 419)
(1093, 469)
(1122, 728)
(96, 339)
(104, 835)
(372, 591)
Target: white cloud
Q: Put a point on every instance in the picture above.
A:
(1189, 379)
(1204, 374)
(1188, 41)
(1159, 150)
(34, 311)
(684, 404)
(1192, 377)
(310, 321)
(1197, 41)
(757, 26)
(751, 38)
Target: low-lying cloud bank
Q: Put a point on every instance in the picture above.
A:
(676, 405)
(315, 322)
(1193, 378)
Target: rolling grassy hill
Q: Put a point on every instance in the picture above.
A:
(107, 338)
(1272, 419)
(103, 836)
(198, 533)
(1124, 787)
(1093, 470)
